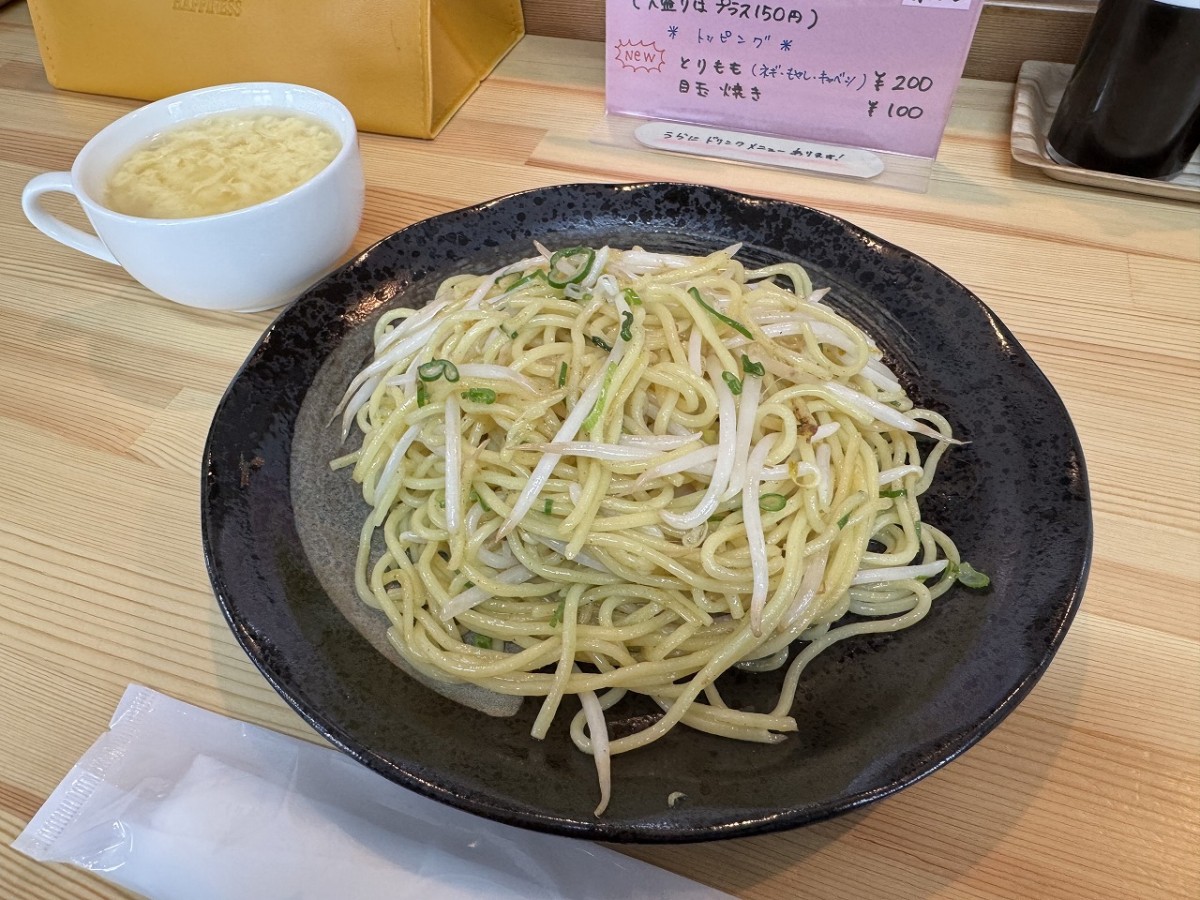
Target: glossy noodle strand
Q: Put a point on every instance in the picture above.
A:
(597, 472)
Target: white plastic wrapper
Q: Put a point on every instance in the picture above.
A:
(176, 802)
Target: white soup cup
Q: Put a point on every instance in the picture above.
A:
(246, 260)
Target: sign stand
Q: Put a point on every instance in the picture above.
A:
(857, 89)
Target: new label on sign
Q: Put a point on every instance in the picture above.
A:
(876, 74)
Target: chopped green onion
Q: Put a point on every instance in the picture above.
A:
(732, 323)
(772, 502)
(559, 279)
(562, 374)
(752, 368)
(627, 326)
(601, 342)
(437, 368)
(479, 395)
(432, 370)
(594, 416)
(512, 335)
(631, 297)
(971, 577)
(422, 394)
(557, 618)
(532, 276)
(548, 507)
(735, 383)
(893, 494)
(843, 520)
(482, 641)
(516, 277)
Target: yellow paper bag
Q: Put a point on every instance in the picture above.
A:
(401, 66)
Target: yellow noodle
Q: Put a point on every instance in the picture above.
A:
(594, 580)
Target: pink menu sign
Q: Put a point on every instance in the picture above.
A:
(877, 74)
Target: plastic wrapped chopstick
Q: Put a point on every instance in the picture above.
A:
(179, 802)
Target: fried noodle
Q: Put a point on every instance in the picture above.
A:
(600, 472)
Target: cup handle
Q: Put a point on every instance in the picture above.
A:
(52, 226)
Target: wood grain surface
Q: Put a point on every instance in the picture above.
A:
(1091, 789)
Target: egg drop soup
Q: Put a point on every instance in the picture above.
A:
(221, 163)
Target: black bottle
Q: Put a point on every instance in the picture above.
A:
(1133, 103)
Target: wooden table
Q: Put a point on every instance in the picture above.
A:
(1090, 789)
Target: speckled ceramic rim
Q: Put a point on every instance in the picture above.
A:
(349, 297)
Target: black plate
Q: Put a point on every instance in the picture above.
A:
(875, 714)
